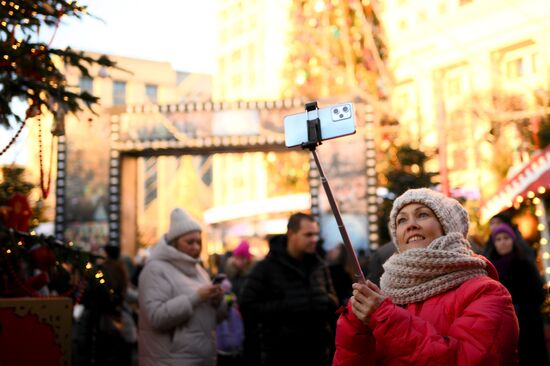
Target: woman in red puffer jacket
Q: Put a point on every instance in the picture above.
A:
(439, 304)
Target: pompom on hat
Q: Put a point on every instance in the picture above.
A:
(181, 223)
(450, 213)
(243, 250)
(503, 228)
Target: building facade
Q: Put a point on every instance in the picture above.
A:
(467, 76)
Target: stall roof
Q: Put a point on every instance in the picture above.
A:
(532, 179)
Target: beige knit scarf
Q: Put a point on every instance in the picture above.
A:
(418, 274)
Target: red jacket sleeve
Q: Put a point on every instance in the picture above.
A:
(483, 329)
(355, 344)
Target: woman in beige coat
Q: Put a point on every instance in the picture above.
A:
(178, 305)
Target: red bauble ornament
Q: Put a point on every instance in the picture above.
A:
(43, 258)
(20, 212)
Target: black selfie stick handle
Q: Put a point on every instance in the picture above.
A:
(314, 139)
(358, 273)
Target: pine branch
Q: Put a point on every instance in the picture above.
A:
(29, 70)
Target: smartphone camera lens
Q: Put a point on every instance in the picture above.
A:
(346, 109)
(335, 111)
(341, 115)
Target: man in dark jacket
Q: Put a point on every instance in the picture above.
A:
(288, 302)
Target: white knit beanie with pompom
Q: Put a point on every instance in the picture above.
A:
(181, 223)
(450, 213)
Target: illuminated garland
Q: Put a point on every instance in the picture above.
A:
(30, 65)
(16, 246)
(336, 48)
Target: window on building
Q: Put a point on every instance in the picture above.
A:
(453, 86)
(86, 84)
(236, 56)
(119, 93)
(151, 92)
(520, 62)
(236, 80)
(535, 63)
(515, 68)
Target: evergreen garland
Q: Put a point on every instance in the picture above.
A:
(29, 69)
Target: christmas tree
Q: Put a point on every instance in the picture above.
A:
(404, 168)
(30, 264)
(29, 67)
(337, 48)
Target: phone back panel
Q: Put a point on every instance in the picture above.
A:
(337, 120)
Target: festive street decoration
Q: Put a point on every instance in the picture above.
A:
(31, 70)
(528, 188)
(337, 48)
(19, 212)
(36, 331)
(40, 266)
(36, 265)
(532, 179)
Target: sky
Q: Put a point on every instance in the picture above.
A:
(182, 32)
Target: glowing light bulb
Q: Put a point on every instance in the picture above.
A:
(319, 6)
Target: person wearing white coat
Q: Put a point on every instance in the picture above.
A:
(179, 307)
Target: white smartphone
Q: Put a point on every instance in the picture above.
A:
(337, 120)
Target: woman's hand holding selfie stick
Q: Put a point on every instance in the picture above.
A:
(314, 139)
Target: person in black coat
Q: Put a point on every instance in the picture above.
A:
(339, 273)
(520, 276)
(504, 218)
(288, 303)
(378, 258)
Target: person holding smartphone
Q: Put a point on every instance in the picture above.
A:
(179, 306)
(438, 302)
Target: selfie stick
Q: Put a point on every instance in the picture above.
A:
(314, 139)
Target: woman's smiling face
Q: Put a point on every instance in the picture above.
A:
(416, 227)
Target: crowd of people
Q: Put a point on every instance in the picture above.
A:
(429, 298)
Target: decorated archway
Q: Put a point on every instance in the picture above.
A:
(199, 135)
